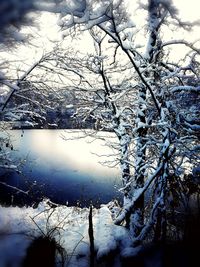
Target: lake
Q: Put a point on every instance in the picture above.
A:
(63, 171)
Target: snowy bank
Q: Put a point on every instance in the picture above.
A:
(67, 225)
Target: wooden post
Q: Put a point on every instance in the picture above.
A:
(91, 237)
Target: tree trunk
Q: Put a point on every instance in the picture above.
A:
(137, 216)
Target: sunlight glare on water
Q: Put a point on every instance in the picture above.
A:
(78, 153)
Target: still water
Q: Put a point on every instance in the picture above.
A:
(63, 171)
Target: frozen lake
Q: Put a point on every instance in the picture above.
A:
(64, 171)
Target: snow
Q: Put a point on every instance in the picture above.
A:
(69, 106)
(131, 251)
(2, 75)
(141, 125)
(14, 87)
(194, 127)
(19, 226)
(103, 234)
(186, 88)
(6, 166)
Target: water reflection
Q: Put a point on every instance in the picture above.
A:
(77, 154)
(65, 171)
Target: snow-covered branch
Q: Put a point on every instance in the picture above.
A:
(185, 88)
(182, 42)
(15, 188)
(137, 194)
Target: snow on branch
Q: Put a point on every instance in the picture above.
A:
(137, 194)
(79, 12)
(151, 221)
(185, 88)
(15, 87)
(194, 127)
(182, 42)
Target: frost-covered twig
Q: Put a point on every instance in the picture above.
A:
(15, 188)
(15, 87)
(185, 88)
(183, 42)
